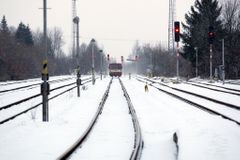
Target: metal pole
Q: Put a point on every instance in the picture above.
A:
(78, 40)
(100, 64)
(153, 72)
(223, 63)
(45, 85)
(210, 62)
(196, 61)
(78, 81)
(76, 21)
(136, 61)
(177, 60)
(93, 76)
(45, 26)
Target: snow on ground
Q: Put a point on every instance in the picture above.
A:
(201, 136)
(113, 136)
(232, 99)
(28, 138)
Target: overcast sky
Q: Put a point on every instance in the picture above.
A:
(115, 24)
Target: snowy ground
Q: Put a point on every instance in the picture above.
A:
(201, 136)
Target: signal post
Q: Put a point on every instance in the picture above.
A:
(45, 88)
(177, 39)
(211, 36)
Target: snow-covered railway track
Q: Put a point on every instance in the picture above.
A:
(15, 109)
(118, 118)
(36, 85)
(217, 86)
(212, 99)
(230, 112)
(233, 92)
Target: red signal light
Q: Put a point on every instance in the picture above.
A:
(211, 34)
(177, 30)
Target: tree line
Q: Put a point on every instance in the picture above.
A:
(22, 53)
(224, 18)
(21, 50)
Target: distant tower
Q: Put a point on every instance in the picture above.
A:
(74, 14)
(171, 19)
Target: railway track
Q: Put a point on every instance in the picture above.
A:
(233, 82)
(194, 103)
(36, 85)
(217, 86)
(59, 91)
(138, 142)
(233, 92)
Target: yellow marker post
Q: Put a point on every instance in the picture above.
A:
(45, 89)
(45, 70)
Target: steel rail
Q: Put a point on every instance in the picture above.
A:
(35, 106)
(231, 82)
(67, 154)
(231, 89)
(198, 95)
(190, 83)
(34, 96)
(37, 84)
(138, 143)
(193, 103)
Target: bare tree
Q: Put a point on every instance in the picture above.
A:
(231, 13)
(231, 19)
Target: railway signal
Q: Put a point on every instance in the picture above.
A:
(177, 39)
(122, 59)
(211, 35)
(136, 58)
(177, 31)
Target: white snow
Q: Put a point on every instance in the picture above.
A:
(201, 136)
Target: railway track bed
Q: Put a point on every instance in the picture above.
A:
(159, 114)
(230, 111)
(115, 122)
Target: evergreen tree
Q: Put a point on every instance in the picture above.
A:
(24, 35)
(29, 37)
(203, 14)
(4, 26)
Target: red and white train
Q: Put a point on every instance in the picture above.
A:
(115, 69)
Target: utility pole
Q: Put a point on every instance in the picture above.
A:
(45, 85)
(74, 14)
(76, 21)
(223, 63)
(171, 19)
(177, 60)
(93, 66)
(100, 51)
(196, 49)
(211, 36)
(210, 61)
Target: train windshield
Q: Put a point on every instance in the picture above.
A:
(115, 66)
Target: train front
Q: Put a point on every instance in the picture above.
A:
(115, 69)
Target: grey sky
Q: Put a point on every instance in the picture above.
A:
(115, 24)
